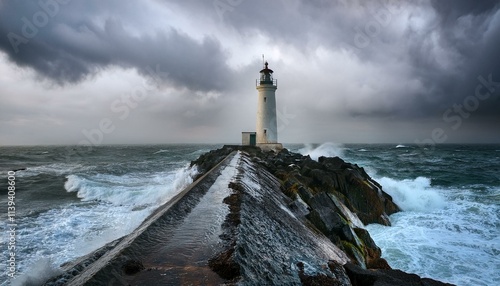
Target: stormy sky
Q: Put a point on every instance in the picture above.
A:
(161, 71)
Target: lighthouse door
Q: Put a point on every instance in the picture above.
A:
(253, 140)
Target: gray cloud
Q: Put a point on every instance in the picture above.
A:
(70, 46)
(384, 61)
(456, 49)
(455, 44)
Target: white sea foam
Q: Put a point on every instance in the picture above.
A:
(401, 146)
(41, 270)
(130, 189)
(328, 149)
(457, 242)
(413, 194)
(161, 151)
(111, 206)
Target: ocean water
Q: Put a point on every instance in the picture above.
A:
(450, 195)
(70, 201)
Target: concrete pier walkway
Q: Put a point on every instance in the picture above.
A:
(172, 246)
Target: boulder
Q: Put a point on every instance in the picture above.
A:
(131, 267)
(386, 277)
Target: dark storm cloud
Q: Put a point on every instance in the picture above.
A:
(446, 53)
(303, 24)
(65, 42)
(466, 34)
(450, 10)
(455, 44)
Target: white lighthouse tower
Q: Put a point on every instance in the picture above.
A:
(266, 135)
(267, 124)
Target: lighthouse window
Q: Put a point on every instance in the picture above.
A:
(265, 131)
(265, 98)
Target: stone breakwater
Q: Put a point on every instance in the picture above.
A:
(331, 197)
(255, 218)
(336, 197)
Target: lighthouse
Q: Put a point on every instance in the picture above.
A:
(266, 135)
(267, 126)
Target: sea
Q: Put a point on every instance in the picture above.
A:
(71, 200)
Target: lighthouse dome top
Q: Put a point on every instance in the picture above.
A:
(266, 70)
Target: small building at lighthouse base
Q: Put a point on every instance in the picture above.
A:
(249, 139)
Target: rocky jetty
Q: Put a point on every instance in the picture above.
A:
(329, 196)
(255, 218)
(338, 198)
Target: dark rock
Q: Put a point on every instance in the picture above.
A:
(304, 193)
(322, 180)
(233, 217)
(316, 280)
(360, 193)
(224, 265)
(372, 251)
(338, 270)
(363, 277)
(390, 206)
(366, 199)
(131, 267)
(307, 165)
(332, 163)
(290, 186)
(324, 214)
(299, 208)
(354, 253)
(379, 263)
(347, 234)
